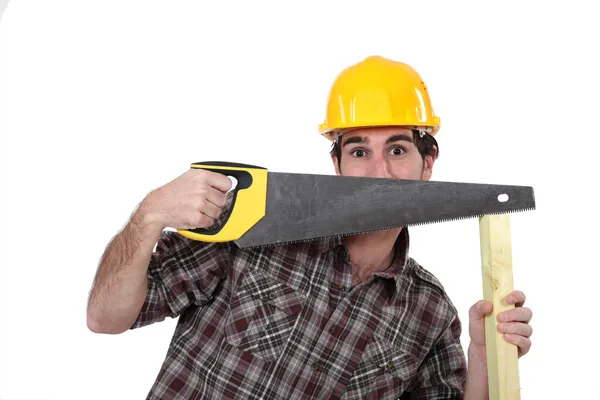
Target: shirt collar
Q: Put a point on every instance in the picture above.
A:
(326, 244)
(396, 269)
(401, 255)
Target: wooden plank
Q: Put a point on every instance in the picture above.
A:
(497, 272)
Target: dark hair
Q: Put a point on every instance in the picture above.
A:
(426, 145)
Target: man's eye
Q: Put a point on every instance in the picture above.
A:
(358, 153)
(397, 151)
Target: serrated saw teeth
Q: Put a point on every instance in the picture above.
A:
(393, 227)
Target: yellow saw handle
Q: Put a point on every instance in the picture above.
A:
(249, 201)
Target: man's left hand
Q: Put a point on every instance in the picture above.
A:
(513, 324)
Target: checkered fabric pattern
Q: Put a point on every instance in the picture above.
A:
(284, 322)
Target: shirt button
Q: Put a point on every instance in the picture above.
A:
(271, 295)
(389, 365)
(342, 287)
(316, 367)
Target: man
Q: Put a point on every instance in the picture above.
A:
(349, 318)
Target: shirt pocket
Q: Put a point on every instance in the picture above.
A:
(384, 371)
(263, 313)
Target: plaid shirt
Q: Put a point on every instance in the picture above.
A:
(283, 322)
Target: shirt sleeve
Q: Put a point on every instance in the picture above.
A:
(181, 272)
(443, 373)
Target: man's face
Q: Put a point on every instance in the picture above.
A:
(386, 152)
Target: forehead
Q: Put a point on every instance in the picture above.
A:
(377, 133)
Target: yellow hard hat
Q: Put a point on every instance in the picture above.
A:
(378, 92)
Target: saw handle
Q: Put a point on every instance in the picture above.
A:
(249, 201)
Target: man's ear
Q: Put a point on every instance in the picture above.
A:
(428, 162)
(336, 165)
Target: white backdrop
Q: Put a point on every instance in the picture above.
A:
(102, 102)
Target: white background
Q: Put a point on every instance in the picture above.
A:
(102, 102)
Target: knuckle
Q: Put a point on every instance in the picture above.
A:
(223, 204)
(512, 329)
(196, 220)
(207, 221)
(200, 190)
(518, 339)
(226, 181)
(200, 203)
(199, 175)
(210, 212)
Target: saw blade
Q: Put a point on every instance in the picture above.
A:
(304, 207)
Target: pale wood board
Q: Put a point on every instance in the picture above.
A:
(497, 273)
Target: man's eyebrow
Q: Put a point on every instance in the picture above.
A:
(391, 139)
(396, 138)
(356, 139)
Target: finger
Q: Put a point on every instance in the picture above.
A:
(198, 220)
(519, 314)
(516, 297)
(479, 310)
(211, 210)
(216, 197)
(523, 343)
(516, 328)
(219, 181)
(204, 221)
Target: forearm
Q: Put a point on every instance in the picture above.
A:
(121, 281)
(477, 378)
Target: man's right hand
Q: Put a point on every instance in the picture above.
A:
(192, 200)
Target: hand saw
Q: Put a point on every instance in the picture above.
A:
(275, 208)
